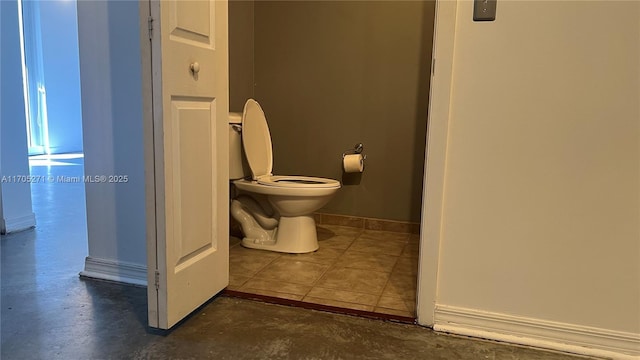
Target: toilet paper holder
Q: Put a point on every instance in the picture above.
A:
(357, 149)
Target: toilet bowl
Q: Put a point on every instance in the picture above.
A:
(284, 222)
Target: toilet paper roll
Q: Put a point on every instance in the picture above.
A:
(353, 163)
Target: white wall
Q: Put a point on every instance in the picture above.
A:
(111, 83)
(540, 222)
(16, 196)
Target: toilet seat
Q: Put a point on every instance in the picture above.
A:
(298, 181)
(256, 141)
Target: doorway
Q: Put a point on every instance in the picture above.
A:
(105, 32)
(51, 85)
(363, 79)
(51, 76)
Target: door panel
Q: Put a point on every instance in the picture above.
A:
(190, 109)
(192, 22)
(194, 226)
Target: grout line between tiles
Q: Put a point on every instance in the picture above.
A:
(267, 264)
(331, 266)
(315, 282)
(388, 281)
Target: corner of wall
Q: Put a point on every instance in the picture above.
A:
(19, 223)
(113, 270)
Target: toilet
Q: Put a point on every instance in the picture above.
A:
(275, 213)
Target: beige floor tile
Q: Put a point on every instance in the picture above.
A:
(384, 235)
(394, 312)
(407, 265)
(340, 304)
(412, 249)
(367, 261)
(401, 285)
(337, 241)
(343, 295)
(358, 280)
(247, 262)
(243, 251)
(324, 233)
(334, 276)
(234, 241)
(293, 271)
(236, 281)
(324, 255)
(277, 294)
(279, 286)
(377, 246)
(397, 303)
(414, 238)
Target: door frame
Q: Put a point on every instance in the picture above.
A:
(435, 160)
(151, 150)
(434, 168)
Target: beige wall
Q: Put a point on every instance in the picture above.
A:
(541, 211)
(332, 74)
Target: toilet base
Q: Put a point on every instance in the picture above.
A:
(294, 235)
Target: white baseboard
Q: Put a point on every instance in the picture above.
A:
(564, 337)
(20, 223)
(112, 270)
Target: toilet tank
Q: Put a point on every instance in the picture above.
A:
(238, 167)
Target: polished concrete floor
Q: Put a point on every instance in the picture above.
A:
(48, 312)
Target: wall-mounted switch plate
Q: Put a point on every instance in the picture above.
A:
(484, 10)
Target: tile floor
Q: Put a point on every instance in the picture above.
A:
(357, 269)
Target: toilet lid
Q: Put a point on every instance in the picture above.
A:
(256, 140)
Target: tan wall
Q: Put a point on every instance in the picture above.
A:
(332, 74)
(541, 213)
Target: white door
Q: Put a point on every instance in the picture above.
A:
(190, 239)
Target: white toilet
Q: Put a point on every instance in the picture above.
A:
(284, 221)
